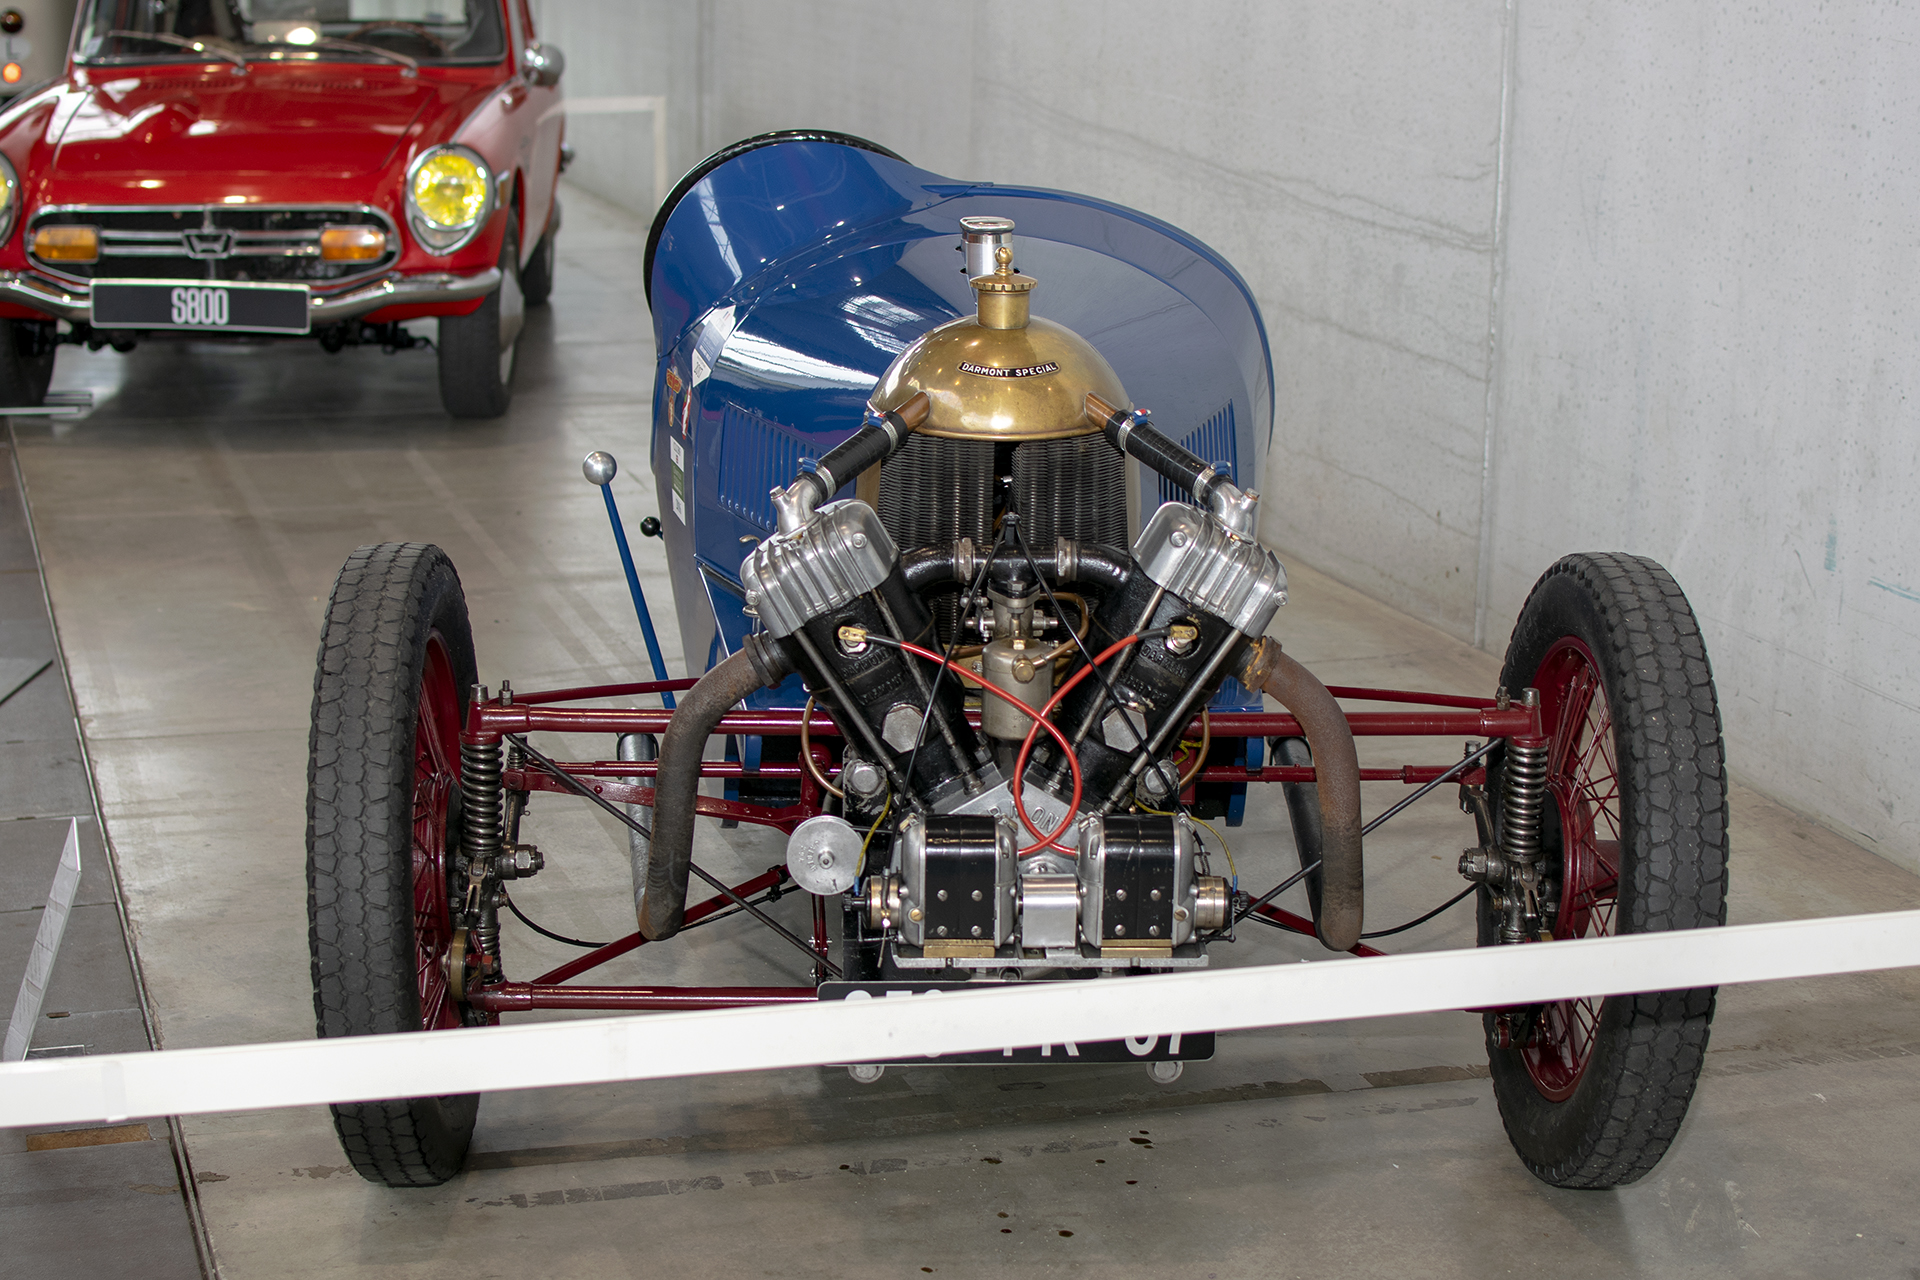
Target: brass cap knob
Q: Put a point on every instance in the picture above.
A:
(1001, 300)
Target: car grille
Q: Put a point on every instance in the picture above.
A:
(214, 242)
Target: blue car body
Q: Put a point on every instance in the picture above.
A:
(787, 273)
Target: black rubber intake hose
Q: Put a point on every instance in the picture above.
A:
(1151, 446)
(663, 904)
(1336, 763)
(867, 446)
(1095, 564)
(928, 569)
(939, 568)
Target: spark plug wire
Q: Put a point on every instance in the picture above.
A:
(1048, 839)
(1051, 840)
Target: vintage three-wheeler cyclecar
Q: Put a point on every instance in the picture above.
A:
(989, 645)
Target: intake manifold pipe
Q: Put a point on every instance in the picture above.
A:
(663, 904)
(1336, 763)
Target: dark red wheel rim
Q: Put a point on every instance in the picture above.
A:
(1583, 776)
(436, 777)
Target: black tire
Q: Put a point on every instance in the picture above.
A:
(1592, 1092)
(396, 663)
(477, 350)
(27, 349)
(536, 277)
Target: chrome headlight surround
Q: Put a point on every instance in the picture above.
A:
(10, 204)
(438, 237)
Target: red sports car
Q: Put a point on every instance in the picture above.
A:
(321, 169)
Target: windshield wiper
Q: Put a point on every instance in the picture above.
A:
(167, 37)
(334, 42)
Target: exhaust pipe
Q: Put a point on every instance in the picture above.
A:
(1337, 913)
(758, 665)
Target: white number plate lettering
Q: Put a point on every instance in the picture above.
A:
(195, 306)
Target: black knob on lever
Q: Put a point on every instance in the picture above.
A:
(650, 527)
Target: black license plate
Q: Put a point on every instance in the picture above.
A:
(1196, 1047)
(200, 304)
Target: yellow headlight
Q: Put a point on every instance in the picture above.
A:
(66, 244)
(352, 244)
(450, 190)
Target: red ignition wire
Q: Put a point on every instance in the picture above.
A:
(1039, 722)
(1026, 748)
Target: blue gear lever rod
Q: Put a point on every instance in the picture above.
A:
(600, 468)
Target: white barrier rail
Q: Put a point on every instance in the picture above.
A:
(113, 1087)
(46, 945)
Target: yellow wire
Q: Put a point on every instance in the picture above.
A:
(884, 810)
(1162, 813)
(1223, 844)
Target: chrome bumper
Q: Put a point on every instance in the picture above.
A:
(74, 304)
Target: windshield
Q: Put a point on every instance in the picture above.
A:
(404, 31)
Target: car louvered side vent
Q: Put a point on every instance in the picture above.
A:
(756, 456)
(1212, 441)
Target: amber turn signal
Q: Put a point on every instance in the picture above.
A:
(11, 73)
(67, 244)
(352, 244)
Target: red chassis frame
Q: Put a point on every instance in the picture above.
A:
(1439, 715)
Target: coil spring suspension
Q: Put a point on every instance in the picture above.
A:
(482, 838)
(481, 835)
(1523, 801)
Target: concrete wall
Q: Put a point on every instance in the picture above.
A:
(1710, 354)
(627, 49)
(1540, 275)
(1344, 159)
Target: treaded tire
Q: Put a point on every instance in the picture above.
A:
(27, 349)
(536, 277)
(1605, 1119)
(382, 806)
(476, 368)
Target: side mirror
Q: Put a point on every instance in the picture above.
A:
(544, 64)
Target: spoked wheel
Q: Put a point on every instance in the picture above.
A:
(1583, 778)
(383, 805)
(1634, 840)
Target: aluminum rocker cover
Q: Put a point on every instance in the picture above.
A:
(1190, 553)
(841, 554)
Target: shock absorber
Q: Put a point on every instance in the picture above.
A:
(481, 838)
(481, 833)
(1522, 800)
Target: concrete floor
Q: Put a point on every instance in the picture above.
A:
(191, 528)
(107, 1198)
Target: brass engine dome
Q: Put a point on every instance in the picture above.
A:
(1001, 373)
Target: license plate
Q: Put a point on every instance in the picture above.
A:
(1195, 1047)
(202, 305)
